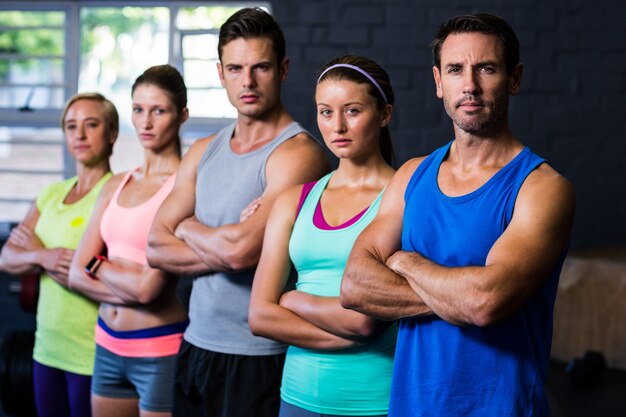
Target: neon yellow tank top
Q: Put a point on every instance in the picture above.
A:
(66, 320)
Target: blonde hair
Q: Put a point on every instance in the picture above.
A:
(110, 112)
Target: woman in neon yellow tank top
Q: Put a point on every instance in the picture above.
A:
(45, 241)
(141, 320)
(339, 361)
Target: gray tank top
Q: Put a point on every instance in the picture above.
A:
(226, 183)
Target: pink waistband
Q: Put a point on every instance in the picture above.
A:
(149, 347)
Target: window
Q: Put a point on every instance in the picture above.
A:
(32, 46)
(33, 86)
(197, 30)
(51, 50)
(29, 159)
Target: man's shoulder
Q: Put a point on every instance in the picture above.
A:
(197, 149)
(191, 160)
(301, 156)
(394, 194)
(531, 204)
(300, 145)
(199, 145)
(548, 179)
(302, 140)
(407, 169)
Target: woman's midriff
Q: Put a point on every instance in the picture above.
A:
(159, 313)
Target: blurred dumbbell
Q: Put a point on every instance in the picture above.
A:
(28, 290)
(586, 370)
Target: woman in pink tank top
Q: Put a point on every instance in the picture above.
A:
(141, 320)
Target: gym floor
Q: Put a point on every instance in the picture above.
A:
(604, 396)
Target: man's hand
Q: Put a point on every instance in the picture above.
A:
(250, 209)
(185, 226)
(370, 285)
(395, 261)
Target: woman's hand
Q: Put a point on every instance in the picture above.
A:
(57, 263)
(291, 299)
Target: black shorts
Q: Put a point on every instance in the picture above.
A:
(213, 384)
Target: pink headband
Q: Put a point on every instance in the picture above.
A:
(354, 67)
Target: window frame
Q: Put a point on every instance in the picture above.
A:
(50, 117)
(13, 117)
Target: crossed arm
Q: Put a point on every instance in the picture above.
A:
(180, 244)
(24, 252)
(297, 318)
(119, 281)
(516, 266)
(369, 285)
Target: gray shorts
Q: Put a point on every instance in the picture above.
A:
(149, 379)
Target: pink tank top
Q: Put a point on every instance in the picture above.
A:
(125, 229)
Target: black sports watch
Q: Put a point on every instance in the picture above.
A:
(93, 265)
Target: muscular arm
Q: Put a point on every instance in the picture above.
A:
(369, 285)
(166, 250)
(24, 253)
(516, 266)
(266, 316)
(92, 244)
(233, 246)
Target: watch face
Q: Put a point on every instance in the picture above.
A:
(91, 264)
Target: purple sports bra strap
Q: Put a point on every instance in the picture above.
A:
(318, 218)
(306, 189)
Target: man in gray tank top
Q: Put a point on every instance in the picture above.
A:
(223, 370)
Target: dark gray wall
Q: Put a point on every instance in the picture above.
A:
(572, 96)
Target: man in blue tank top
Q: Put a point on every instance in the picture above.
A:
(222, 369)
(468, 245)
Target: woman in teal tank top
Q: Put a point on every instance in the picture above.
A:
(339, 362)
(44, 242)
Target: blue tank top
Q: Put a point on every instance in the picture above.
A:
(354, 381)
(447, 370)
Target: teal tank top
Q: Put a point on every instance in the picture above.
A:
(354, 381)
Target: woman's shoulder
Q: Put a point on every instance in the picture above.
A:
(58, 189)
(112, 184)
(59, 185)
(116, 179)
(288, 202)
